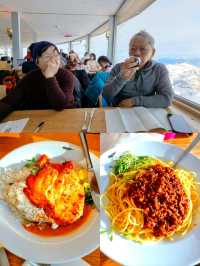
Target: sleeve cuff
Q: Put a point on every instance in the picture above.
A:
(138, 101)
(119, 79)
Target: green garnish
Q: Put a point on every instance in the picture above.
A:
(31, 162)
(88, 196)
(108, 231)
(34, 170)
(127, 162)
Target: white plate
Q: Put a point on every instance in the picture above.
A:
(181, 252)
(40, 249)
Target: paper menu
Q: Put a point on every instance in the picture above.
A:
(137, 119)
(15, 126)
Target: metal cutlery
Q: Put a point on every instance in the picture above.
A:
(85, 126)
(3, 257)
(187, 150)
(91, 117)
(91, 173)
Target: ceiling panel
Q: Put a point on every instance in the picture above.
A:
(95, 7)
(51, 20)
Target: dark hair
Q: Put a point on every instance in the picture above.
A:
(40, 47)
(104, 58)
(85, 61)
(45, 48)
(92, 54)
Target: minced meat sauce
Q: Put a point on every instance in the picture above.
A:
(159, 193)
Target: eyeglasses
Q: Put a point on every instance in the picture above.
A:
(50, 56)
(142, 50)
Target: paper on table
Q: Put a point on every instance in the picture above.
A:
(136, 119)
(15, 126)
(114, 121)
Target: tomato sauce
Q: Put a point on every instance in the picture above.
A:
(46, 230)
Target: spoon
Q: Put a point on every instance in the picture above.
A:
(187, 150)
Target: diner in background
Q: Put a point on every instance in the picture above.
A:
(93, 93)
(92, 66)
(139, 80)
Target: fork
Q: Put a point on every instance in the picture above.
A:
(85, 126)
(187, 150)
(90, 120)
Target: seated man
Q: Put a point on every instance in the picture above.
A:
(139, 81)
(48, 87)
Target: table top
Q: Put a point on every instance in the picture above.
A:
(11, 141)
(70, 120)
(180, 142)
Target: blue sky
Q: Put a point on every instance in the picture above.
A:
(174, 24)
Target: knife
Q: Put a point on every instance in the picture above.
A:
(91, 173)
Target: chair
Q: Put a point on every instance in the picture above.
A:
(2, 91)
(4, 65)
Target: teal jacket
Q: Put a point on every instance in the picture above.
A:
(95, 88)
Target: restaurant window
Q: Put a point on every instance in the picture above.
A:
(175, 27)
(5, 51)
(99, 45)
(64, 47)
(79, 47)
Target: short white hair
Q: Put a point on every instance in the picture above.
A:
(145, 35)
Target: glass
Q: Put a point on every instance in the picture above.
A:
(79, 47)
(99, 45)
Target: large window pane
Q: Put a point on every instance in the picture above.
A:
(79, 47)
(175, 26)
(5, 52)
(99, 45)
(64, 47)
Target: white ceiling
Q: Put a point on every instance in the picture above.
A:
(50, 20)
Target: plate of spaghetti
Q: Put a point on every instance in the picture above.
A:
(46, 206)
(149, 209)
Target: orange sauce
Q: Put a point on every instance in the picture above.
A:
(47, 231)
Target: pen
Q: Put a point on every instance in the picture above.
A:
(37, 129)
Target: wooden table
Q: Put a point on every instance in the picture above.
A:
(180, 142)
(11, 141)
(70, 120)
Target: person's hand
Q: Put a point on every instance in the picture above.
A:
(126, 103)
(52, 67)
(129, 68)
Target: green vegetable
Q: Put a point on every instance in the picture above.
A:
(127, 162)
(30, 163)
(88, 196)
(108, 231)
(34, 170)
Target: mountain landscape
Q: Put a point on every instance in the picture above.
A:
(185, 80)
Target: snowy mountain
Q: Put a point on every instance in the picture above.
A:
(185, 79)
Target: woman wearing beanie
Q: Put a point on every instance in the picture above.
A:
(48, 87)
